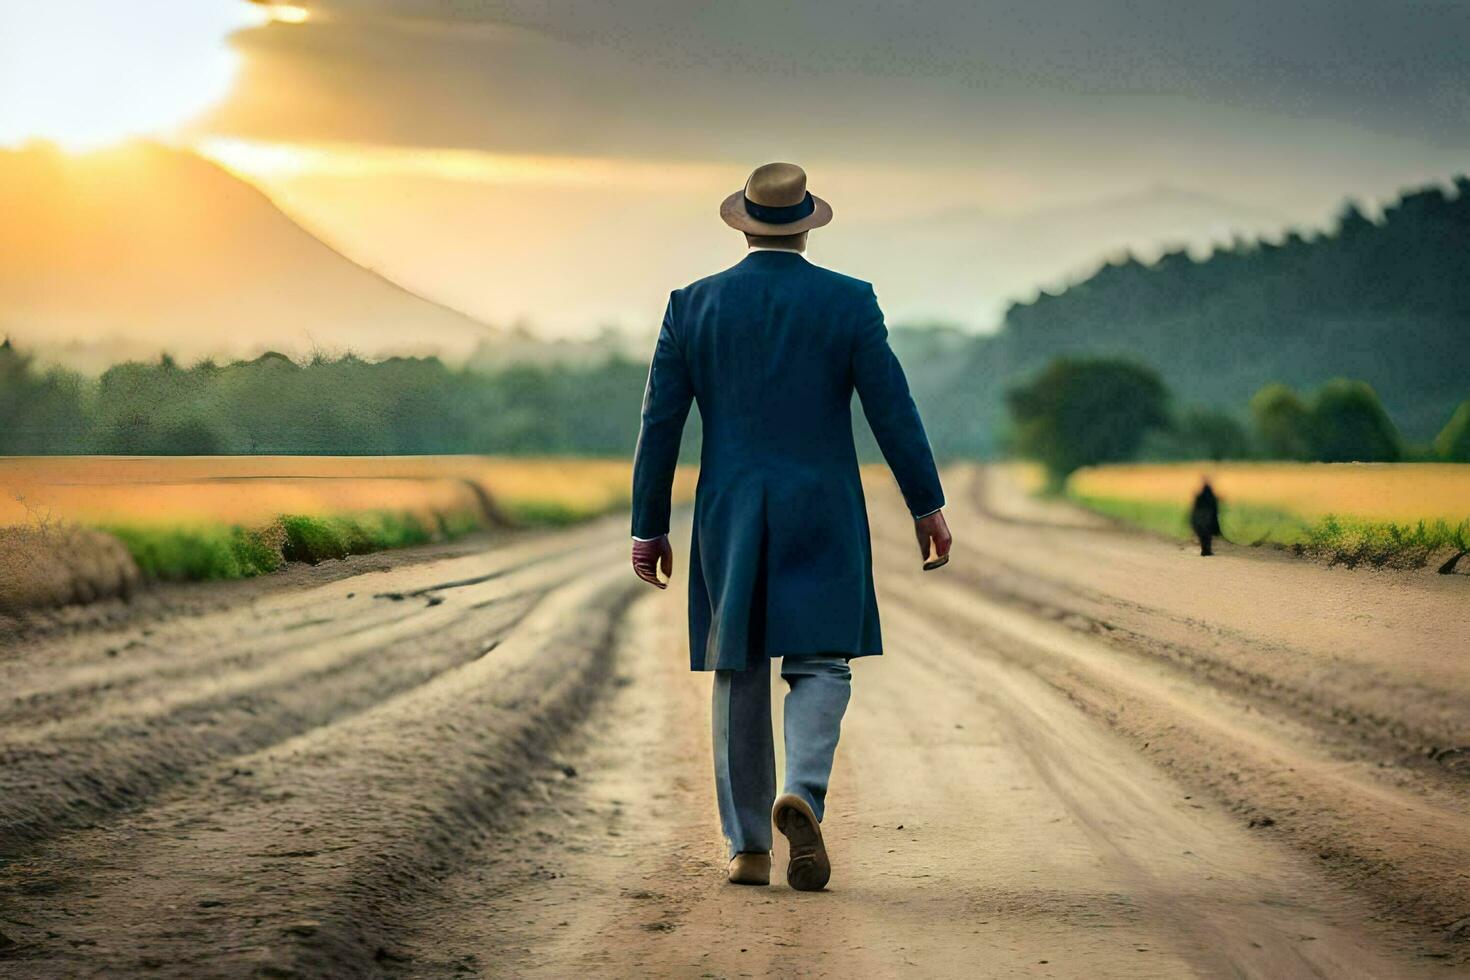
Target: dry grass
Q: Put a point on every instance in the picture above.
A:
(53, 565)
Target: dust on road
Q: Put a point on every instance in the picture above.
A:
(1083, 756)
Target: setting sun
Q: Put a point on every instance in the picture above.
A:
(84, 73)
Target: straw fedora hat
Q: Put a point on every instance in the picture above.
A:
(775, 201)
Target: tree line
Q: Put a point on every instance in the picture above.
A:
(333, 406)
(1383, 298)
(1087, 411)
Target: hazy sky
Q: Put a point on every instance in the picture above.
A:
(563, 161)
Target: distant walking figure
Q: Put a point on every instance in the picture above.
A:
(1204, 517)
(772, 350)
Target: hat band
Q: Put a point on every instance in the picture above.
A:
(783, 215)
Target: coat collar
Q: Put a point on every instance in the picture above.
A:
(772, 257)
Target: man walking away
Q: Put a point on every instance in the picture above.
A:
(780, 560)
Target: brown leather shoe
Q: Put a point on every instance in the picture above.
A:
(750, 868)
(808, 870)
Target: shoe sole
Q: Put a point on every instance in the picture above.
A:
(808, 869)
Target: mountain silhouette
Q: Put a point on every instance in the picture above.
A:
(145, 248)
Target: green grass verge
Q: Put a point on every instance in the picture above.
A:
(539, 513)
(316, 539)
(1347, 540)
(220, 552)
(200, 554)
(1354, 541)
(1242, 524)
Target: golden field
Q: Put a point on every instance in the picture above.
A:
(74, 529)
(251, 490)
(1384, 492)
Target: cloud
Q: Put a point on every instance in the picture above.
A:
(482, 148)
(654, 75)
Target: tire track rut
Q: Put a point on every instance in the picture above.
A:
(1403, 720)
(1294, 755)
(120, 746)
(282, 820)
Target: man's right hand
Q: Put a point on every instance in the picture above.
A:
(933, 532)
(649, 555)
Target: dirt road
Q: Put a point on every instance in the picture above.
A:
(1087, 754)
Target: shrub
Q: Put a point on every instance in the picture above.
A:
(1349, 425)
(1281, 423)
(1453, 442)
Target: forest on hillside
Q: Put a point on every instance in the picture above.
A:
(1385, 301)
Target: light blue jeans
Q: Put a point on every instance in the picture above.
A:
(745, 754)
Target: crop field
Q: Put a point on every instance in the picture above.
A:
(246, 489)
(213, 517)
(1377, 513)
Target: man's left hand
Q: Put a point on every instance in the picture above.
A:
(649, 556)
(933, 530)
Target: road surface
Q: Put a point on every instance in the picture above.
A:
(1088, 753)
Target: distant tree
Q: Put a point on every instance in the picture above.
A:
(1281, 423)
(1197, 433)
(40, 412)
(1348, 424)
(1352, 223)
(129, 434)
(1213, 435)
(1453, 442)
(1085, 411)
(191, 437)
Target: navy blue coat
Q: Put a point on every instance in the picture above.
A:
(780, 563)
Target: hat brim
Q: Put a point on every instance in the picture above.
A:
(732, 211)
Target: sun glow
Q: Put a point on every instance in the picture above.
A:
(283, 161)
(285, 13)
(85, 73)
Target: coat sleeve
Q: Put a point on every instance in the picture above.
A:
(666, 401)
(891, 412)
